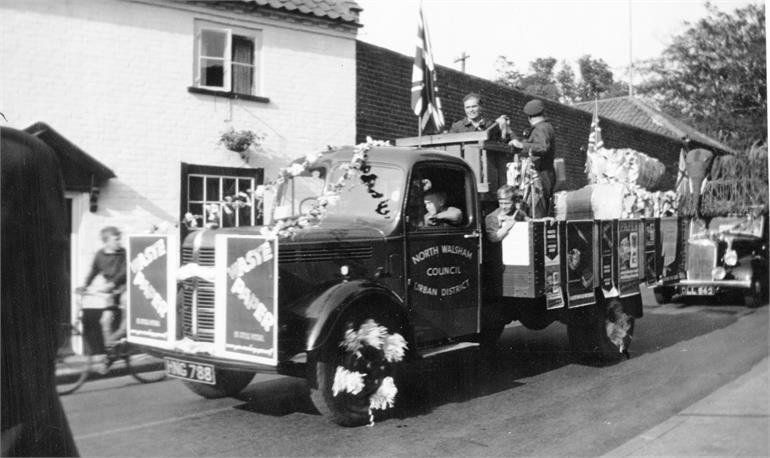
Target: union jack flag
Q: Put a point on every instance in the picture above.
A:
(425, 101)
(595, 137)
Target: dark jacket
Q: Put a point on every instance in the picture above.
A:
(542, 144)
(111, 265)
(465, 125)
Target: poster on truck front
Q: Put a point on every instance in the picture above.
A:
(246, 305)
(578, 259)
(150, 311)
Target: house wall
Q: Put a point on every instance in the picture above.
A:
(112, 76)
(384, 112)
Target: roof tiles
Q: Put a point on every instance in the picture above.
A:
(344, 10)
(635, 112)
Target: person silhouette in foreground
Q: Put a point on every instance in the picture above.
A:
(35, 282)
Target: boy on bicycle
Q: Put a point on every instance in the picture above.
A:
(108, 275)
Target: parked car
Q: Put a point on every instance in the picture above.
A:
(730, 256)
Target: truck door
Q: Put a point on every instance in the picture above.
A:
(442, 251)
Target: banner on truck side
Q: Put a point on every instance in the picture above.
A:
(608, 257)
(554, 297)
(151, 305)
(578, 259)
(670, 240)
(246, 310)
(651, 250)
(628, 257)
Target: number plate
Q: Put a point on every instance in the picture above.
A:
(186, 370)
(699, 290)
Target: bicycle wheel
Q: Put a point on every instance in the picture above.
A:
(72, 370)
(145, 368)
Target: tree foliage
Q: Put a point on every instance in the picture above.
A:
(714, 76)
(543, 79)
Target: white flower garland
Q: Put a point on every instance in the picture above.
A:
(289, 226)
(393, 347)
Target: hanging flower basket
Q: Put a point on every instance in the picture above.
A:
(239, 140)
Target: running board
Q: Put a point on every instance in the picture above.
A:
(435, 351)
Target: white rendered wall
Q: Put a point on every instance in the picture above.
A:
(112, 77)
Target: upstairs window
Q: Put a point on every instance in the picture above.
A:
(226, 59)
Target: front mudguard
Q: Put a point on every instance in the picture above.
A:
(749, 268)
(325, 311)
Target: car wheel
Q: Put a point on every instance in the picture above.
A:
(355, 374)
(756, 295)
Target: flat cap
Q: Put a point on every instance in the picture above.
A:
(533, 108)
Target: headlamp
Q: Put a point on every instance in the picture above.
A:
(731, 258)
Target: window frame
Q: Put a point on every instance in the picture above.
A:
(466, 194)
(227, 84)
(221, 173)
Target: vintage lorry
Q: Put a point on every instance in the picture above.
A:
(345, 287)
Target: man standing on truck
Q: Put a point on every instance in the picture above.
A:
(540, 146)
(497, 225)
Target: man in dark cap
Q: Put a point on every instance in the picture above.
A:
(540, 146)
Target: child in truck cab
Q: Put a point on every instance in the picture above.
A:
(108, 275)
(437, 213)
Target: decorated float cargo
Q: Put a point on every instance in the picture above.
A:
(347, 282)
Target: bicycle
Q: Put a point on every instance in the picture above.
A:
(75, 361)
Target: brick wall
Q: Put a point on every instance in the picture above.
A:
(384, 112)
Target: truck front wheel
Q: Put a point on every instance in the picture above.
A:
(604, 338)
(354, 374)
(229, 383)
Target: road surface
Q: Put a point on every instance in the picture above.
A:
(535, 400)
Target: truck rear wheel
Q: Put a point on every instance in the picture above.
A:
(604, 338)
(229, 383)
(355, 373)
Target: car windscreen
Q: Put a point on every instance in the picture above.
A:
(374, 193)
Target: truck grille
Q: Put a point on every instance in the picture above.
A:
(701, 260)
(291, 255)
(198, 299)
(198, 314)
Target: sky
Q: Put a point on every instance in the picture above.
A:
(523, 30)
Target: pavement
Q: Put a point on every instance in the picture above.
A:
(732, 421)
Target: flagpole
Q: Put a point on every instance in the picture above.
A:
(419, 132)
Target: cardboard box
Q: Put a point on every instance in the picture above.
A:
(523, 260)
